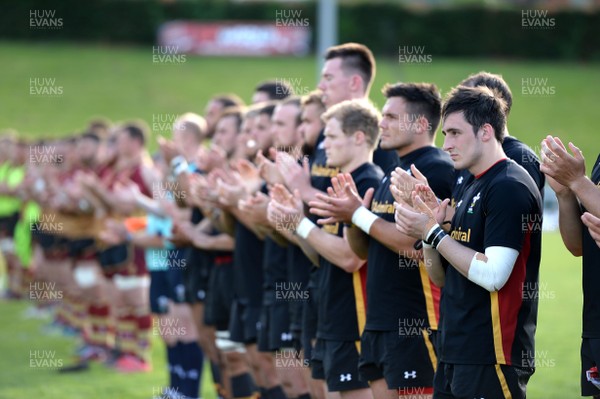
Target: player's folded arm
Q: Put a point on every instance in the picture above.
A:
(511, 216)
(492, 270)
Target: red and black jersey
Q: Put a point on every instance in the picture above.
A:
(515, 150)
(591, 274)
(501, 207)
(110, 176)
(399, 288)
(342, 307)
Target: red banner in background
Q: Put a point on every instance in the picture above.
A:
(235, 38)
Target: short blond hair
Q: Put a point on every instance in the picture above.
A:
(193, 123)
(356, 115)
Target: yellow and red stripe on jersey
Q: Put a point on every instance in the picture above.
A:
(359, 282)
(506, 304)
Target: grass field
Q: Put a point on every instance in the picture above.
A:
(122, 83)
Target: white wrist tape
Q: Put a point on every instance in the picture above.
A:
(177, 160)
(363, 219)
(85, 276)
(493, 274)
(305, 227)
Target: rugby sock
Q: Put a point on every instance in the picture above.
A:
(276, 393)
(70, 311)
(126, 328)
(61, 315)
(143, 333)
(192, 362)
(174, 379)
(80, 319)
(101, 332)
(242, 386)
(217, 379)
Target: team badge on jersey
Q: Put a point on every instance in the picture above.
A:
(473, 202)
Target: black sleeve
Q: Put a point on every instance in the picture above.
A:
(364, 184)
(509, 207)
(524, 156)
(385, 159)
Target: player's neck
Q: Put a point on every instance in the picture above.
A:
(487, 160)
(357, 160)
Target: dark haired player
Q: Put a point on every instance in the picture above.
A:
(513, 148)
(493, 257)
(272, 90)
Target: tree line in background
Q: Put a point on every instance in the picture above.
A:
(389, 30)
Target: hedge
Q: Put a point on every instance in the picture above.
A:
(383, 27)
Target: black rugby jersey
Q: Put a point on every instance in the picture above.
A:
(341, 307)
(501, 207)
(248, 266)
(591, 274)
(518, 152)
(399, 288)
(274, 269)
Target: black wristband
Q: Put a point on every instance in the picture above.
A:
(431, 236)
(438, 238)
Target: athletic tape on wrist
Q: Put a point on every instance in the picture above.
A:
(430, 234)
(305, 227)
(363, 219)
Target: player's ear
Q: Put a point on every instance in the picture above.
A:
(423, 124)
(356, 83)
(487, 132)
(359, 137)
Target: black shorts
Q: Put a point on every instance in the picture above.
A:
(8, 225)
(220, 295)
(54, 247)
(274, 328)
(590, 357)
(480, 381)
(197, 275)
(309, 324)
(404, 362)
(243, 322)
(82, 249)
(116, 258)
(165, 285)
(338, 363)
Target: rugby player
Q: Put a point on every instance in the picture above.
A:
(271, 90)
(579, 207)
(490, 258)
(513, 148)
(351, 135)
